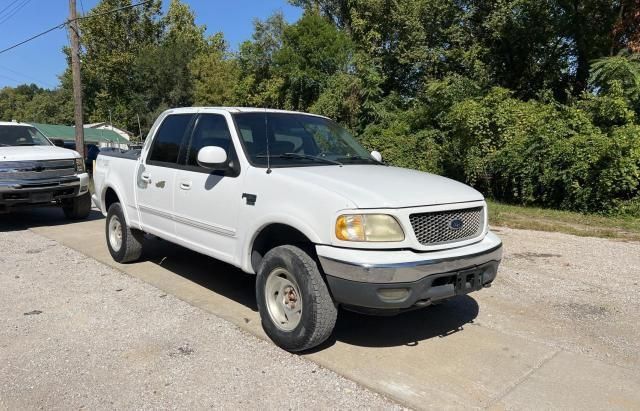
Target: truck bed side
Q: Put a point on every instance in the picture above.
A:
(115, 174)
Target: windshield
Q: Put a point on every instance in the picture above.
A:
(297, 140)
(21, 136)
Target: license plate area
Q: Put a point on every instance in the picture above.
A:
(468, 281)
(41, 197)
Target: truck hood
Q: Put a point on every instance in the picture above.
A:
(29, 153)
(377, 186)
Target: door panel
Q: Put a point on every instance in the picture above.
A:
(157, 175)
(207, 203)
(155, 199)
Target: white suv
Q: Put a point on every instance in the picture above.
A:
(293, 198)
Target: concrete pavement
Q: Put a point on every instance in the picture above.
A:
(491, 349)
(77, 334)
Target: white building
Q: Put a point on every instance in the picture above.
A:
(106, 126)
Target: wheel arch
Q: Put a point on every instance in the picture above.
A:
(275, 234)
(111, 195)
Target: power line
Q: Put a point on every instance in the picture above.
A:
(59, 26)
(10, 78)
(17, 73)
(9, 5)
(62, 25)
(14, 11)
(90, 15)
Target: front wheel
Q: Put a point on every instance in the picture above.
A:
(295, 306)
(124, 243)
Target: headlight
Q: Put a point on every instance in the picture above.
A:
(79, 165)
(368, 227)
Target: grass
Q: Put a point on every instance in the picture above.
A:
(586, 225)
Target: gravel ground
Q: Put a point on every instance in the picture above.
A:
(579, 294)
(75, 333)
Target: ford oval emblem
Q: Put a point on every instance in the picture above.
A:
(456, 224)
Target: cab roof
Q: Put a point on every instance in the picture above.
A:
(14, 123)
(239, 110)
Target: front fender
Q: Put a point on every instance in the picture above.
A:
(256, 227)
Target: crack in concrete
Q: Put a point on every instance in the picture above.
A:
(496, 398)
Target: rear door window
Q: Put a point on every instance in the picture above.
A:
(169, 142)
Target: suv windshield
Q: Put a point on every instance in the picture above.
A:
(297, 140)
(21, 136)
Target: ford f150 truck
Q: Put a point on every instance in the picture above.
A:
(34, 172)
(294, 198)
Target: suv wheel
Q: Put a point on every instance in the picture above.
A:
(124, 243)
(295, 306)
(77, 208)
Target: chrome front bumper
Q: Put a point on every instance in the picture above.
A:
(393, 281)
(381, 266)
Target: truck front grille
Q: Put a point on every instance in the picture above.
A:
(36, 170)
(442, 227)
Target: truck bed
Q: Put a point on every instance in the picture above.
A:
(127, 154)
(119, 168)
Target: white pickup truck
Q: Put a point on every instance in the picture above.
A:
(293, 198)
(36, 173)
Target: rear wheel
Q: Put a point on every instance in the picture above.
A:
(77, 208)
(124, 243)
(295, 306)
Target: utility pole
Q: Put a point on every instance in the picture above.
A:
(74, 33)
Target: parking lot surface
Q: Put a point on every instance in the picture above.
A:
(79, 334)
(558, 329)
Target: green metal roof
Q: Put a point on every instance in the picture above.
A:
(68, 133)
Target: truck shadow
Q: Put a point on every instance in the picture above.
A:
(219, 277)
(406, 329)
(24, 219)
(409, 328)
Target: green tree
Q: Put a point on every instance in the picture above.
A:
(312, 51)
(32, 103)
(215, 74)
(110, 47)
(260, 84)
(162, 68)
(623, 69)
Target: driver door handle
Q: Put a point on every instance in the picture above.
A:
(185, 185)
(146, 177)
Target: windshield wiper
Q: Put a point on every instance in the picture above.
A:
(303, 156)
(354, 158)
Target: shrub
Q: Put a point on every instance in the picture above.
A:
(403, 147)
(542, 153)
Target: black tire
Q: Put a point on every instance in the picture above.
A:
(77, 208)
(131, 239)
(318, 314)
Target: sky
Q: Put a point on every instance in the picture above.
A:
(41, 60)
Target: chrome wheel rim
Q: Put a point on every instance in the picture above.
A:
(115, 233)
(283, 298)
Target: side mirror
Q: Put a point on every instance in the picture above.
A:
(376, 156)
(58, 142)
(212, 157)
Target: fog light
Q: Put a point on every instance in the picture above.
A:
(393, 294)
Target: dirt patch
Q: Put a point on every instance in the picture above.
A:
(584, 311)
(532, 256)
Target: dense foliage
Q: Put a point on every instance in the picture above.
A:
(530, 101)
